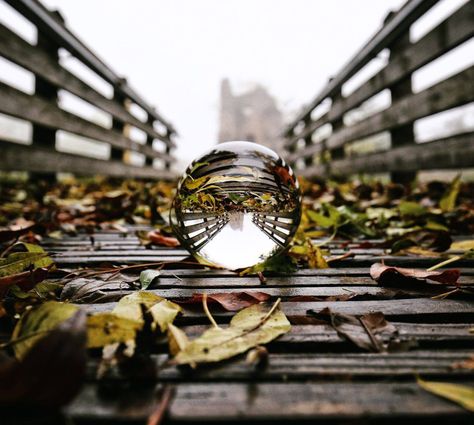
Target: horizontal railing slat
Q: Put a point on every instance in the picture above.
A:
(37, 110)
(40, 63)
(453, 31)
(396, 26)
(20, 157)
(452, 92)
(53, 28)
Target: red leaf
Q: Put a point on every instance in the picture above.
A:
(230, 301)
(386, 275)
(157, 238)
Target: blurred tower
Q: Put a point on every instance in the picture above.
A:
(252, 115)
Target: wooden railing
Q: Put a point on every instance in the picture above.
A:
(47, 116)
(328, 156)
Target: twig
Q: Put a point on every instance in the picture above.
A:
(445, 262)
(156, 418)
(272, 310)
(208, 313)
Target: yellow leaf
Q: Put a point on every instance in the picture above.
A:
(250, 327)
(108, 328)
(463, 245)
(315, 257)
(37, 322)
(460, 394)
(191, 183)
(122, 323)
(177, 339)
(448, 201)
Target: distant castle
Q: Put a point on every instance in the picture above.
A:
(252, 116)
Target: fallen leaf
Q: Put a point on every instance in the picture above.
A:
(364, 331)
(17, 262)
(386, 275)
(277, 264)
(157, 238)
(230, 301)
(253, 326)
(464, 364)
(257, 356)
(12, 232)
(462, 245)
(147, 277)
(97, 290)
(23, 281)
(51, 372)
(37, 323)
(460, 394)
(108, 328)
(177, 339)
(127, 318)
(448, 201)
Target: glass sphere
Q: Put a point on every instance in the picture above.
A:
(237, 205)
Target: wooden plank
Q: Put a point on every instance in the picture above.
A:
(421, 309)
(454, 91)
(452, 152)
(37, 61)
(357, 261)
(303, 366)
(19, 157)
(249, 402)
(39, 111)
(321, 338)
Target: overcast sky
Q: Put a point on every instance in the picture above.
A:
(176, 52)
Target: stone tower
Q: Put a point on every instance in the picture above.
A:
(252, 116)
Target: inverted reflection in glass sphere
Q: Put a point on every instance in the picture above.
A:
(237, 205)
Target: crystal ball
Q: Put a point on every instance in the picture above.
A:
(236, 206)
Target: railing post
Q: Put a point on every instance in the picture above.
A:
(115, 153)
(337, 153)
(43, 136)
(291, 148)
(308, 141)
(403, 135)
(149, 141)
(169, 133)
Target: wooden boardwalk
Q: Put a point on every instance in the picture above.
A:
(312, 374)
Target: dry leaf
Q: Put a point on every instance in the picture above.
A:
(364, 331)
(460, 394)
(37, 323)
(255, 325)
(157, 238)
(386, 275)
(230, 301)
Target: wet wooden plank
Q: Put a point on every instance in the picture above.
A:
(381, 402)
(421, 309)
(304, 366)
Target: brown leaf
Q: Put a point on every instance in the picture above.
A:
(52, 372)
(24, 280)
(364, 331)
(157, 238)
(465, 364)
(15, 231)
(386, 275)
(230, 301)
